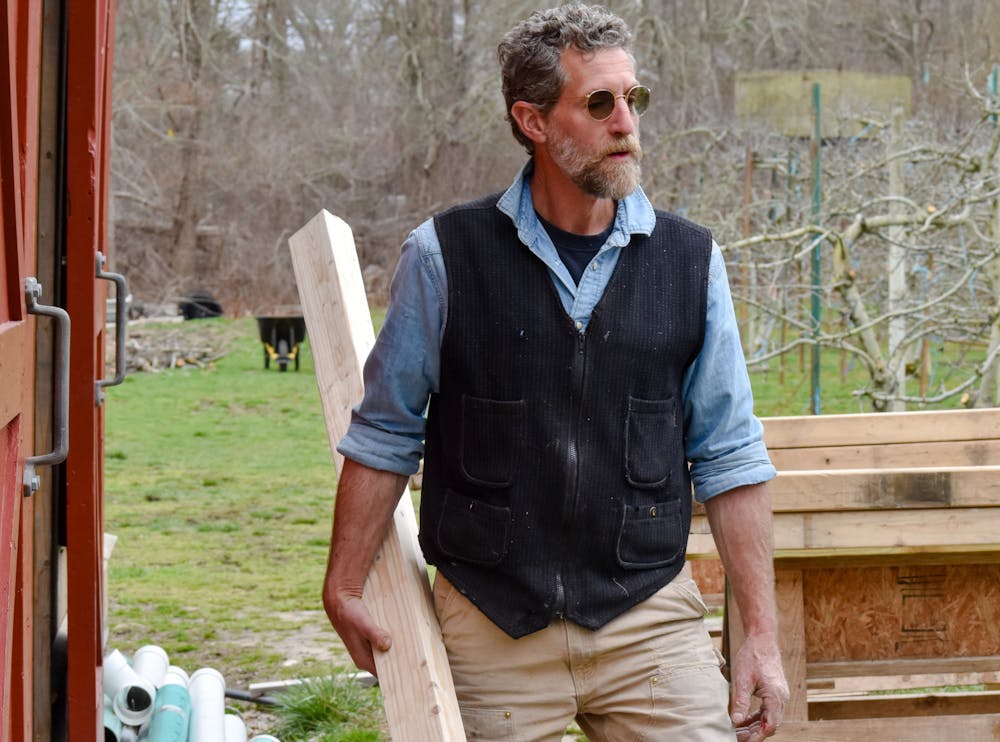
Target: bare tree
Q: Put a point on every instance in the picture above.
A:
(237, 120)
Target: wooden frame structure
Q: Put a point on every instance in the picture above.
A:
(887, 564)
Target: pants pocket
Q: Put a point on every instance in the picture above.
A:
(488, 724)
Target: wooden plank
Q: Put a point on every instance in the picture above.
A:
(973, 728)
(923, 454)
(909, 667)
(417, 687)
(932, 528)
(792, 640)
(882, 428)
(868, 489)
(858, 682)
(904, 704)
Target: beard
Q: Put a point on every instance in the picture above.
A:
(593, 172)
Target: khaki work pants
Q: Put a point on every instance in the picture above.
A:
(652, 674)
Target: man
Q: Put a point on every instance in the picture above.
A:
(578, 351)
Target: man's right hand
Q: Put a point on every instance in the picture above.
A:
(357, 629)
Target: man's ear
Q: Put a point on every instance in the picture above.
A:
(530, 121)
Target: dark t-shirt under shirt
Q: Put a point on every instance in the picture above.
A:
(575, 250)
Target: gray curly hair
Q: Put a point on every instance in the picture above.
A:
(529, 53)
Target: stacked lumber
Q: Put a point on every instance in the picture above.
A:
(887, 564)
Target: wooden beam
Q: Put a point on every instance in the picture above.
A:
(923, 454)
(792, 639)
(914, 666)
(932, 528)
(904, 704)
(414, 675)
(870, 489)
(881, 429)
(974, 728)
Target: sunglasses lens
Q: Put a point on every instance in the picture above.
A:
(601, 104)
(638, 99)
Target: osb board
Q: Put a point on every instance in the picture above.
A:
(874, 613)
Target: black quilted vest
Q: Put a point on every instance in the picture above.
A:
(555, 481)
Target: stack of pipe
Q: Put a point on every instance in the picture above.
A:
(151, 700)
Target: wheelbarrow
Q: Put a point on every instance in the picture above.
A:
(281, 337)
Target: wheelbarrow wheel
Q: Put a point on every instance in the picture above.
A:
(282, 355)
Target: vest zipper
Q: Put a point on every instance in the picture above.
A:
(572, 491)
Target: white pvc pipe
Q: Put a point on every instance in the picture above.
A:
(151, 662)
(176, 676)
(112, 724)
(131, 694)
(264, 738)
(208, 706)
(236, 730)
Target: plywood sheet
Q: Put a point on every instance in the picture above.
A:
(886, 613)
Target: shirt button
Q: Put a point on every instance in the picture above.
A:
(593, 267)
(579, 325)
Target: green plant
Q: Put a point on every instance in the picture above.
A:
(331, 709)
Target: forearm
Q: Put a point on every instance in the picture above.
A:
(366, 499)
(742, 527)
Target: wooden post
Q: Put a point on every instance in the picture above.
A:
(414, 675)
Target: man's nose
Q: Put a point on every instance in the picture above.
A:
(622, 120)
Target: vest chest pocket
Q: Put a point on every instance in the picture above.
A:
(650, 432)
(650, 535)
(491, 430)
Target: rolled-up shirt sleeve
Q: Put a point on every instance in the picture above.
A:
(387, 427)
(723, 438)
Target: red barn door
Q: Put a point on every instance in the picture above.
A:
(20, 26)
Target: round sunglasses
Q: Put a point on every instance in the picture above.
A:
(601, 103)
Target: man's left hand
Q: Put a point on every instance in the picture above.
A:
(757, 672)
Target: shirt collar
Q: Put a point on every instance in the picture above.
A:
(634, 215)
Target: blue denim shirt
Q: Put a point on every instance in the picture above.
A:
(723, 438)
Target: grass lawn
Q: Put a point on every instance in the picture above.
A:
(219, 487)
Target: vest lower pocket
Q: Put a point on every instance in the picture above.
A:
(650, 431)
(491, 430)
(472, 530)
(650, 535)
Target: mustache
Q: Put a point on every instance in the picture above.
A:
(627, 144)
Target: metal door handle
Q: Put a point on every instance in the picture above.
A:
(121, 326)
(60, 395)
